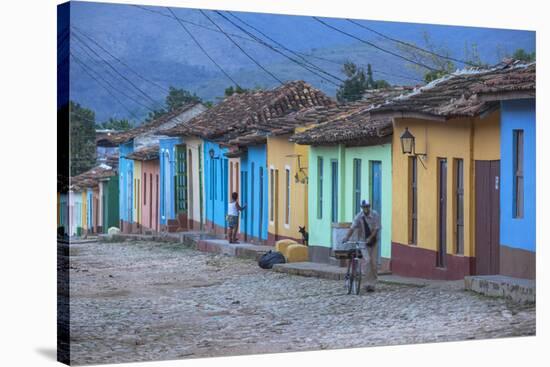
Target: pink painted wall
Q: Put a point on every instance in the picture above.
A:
(150, 205)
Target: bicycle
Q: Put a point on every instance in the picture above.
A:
(352, 252)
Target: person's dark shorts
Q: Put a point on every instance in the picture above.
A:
(232, 221)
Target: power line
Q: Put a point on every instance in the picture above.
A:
(254, 40)
(375, 46)
(240, 48)
(190, 22)
(82, 65)
(281, 53)
(118, 72)
(410, 44)
(120, 61)
(310, 64)
(110, 73)
(202, 49)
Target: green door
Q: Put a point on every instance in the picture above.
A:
(181, 179)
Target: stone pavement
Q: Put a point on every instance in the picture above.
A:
(139, 301)
(198, 240)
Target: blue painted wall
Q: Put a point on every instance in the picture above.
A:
(254, 218)
(166, 181)
(518, 232)
(126, 174)
(215, 183)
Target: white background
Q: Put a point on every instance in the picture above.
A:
(28, 180)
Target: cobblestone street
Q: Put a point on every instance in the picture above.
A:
(137, 301)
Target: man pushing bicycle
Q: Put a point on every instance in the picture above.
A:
(367, 225)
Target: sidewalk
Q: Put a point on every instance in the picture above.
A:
(201, 241)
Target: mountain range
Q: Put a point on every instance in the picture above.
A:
(137, 52)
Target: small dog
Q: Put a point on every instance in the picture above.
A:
(305, 235)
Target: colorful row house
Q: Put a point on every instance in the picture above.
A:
(350, 160)
(236, 165)
(133, 181)
(146, 187)
(463, 180)
(516, 95)
(86, 215)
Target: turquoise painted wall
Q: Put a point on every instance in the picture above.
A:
(167, 183)
(383, 154)
(320, 227)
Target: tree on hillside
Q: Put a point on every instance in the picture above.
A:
(115, 124)
(437, 57)
(522, 55)
(229, 91)
(176, 98)
(82, 138)
(357, 82)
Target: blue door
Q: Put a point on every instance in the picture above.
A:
(376, 194)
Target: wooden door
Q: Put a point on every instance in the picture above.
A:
(181, 180)
(191, 197)
(157, 203)
(261, 202)
(376, 196)
(442, 214)
(150, 200)
(487, 177)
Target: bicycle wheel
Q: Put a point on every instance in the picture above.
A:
(349, 277)
(357, 277)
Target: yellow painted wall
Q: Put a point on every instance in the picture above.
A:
(137, 192)
(84, 210)
(468, 139)
(278, 151)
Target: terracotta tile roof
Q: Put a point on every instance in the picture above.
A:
(253, 111)
(465, 93)
(145, 154)
(91, 178)
(102, 138)
(353, 125)
(150, 127)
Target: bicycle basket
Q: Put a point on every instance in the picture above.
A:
(345, 250)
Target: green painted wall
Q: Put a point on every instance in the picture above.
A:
(380, 153)
(320, 228)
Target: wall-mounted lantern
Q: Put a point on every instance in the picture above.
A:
(301, 174)
(211, 153)
(408, 145)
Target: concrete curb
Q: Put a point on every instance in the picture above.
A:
(514, 289)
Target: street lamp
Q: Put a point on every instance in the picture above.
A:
(408, 146)
(407, 142)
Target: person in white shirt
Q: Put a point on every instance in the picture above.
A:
(367, 225)
(233, 217)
